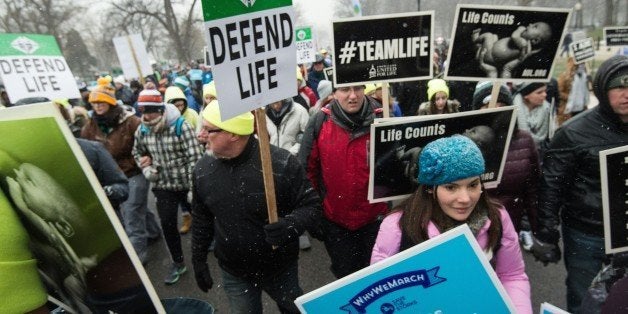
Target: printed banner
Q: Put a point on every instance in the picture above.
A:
(329, 73)
(252, 52)
(32, 65)
(84, 257)
(505, 43)
(614, 179)
(363, 53)
(396, 146)
(422, 279)
(306, 52)
(616, 36)
(133, 57)
(582, 50)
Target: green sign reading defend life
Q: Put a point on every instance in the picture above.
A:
(32, 65)
(251, 47)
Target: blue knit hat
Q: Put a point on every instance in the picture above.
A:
(449, 159)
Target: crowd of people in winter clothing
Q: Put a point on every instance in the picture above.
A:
(166, 135)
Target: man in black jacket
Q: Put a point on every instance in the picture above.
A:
(229, 202)
(570, 189)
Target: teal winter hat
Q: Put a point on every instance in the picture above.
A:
(449, 159)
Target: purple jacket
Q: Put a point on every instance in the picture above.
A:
(518, 188)
(509, 264)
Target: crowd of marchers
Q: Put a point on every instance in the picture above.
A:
(166, 136)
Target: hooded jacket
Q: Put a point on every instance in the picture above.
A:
(174, 155)
(571, 168)
(289, 132)
(174, 93)
(337, 161)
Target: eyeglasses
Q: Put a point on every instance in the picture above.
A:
(209, 131)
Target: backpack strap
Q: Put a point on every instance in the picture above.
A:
(178, 125)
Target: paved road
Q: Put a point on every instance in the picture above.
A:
(547, 282)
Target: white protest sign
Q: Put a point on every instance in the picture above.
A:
(132, 55)
(306, 52)
(252, 52)
(32, 65)
(582, 50)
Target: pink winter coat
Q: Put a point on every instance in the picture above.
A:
(509, 264)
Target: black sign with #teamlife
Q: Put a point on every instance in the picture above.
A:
(508, 43)
(383, 48)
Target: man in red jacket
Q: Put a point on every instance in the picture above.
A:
(335, 152)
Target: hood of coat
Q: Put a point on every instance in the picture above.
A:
(609, 68)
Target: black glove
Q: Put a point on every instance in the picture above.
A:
(203, 278)
(545, 252)
(281, 232)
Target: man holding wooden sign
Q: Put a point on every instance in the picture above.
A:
(229, 202)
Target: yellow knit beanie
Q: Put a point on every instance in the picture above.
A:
(103, 92)
(436, 85)
(240, 125)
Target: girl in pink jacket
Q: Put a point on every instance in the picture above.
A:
(450, 194)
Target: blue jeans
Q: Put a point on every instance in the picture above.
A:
(245, 296)
(140, 223)
(584, 255)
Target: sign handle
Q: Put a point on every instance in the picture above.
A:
(267, 166)
(385, 100)
(137, 63)
(494, 94)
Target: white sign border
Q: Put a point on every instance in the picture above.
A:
(500, 7)
(605, 199)
(49, 110)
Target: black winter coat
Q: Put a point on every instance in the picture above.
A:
(229, 202)
(571, 167)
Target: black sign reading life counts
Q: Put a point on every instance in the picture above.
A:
(616, 36)
(383, 48)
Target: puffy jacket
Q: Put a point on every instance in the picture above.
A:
(518, 188)
(229, 201)
(337, 161)
(509, 264)
(290, 130)
(571, 166)
(426, 107)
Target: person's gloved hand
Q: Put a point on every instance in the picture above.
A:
(545, 252)
(151, 173)
(190, 197)
(281, 232)
(203, 278)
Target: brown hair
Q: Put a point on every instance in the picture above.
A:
(422, 207)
